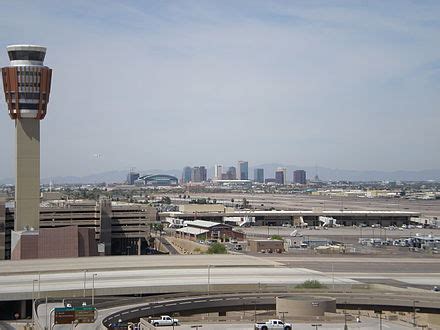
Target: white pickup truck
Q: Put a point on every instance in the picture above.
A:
(273, 325)
(164, 320)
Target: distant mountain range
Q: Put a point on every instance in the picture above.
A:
(324, 173)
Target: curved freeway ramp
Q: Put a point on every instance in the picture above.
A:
(233, 302)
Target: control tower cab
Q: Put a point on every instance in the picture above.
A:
(26, 82)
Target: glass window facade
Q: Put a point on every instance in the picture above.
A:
(29, 55)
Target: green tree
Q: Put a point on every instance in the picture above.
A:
(276, 237)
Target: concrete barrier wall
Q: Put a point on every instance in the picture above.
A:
(145, 325)
(305, 305)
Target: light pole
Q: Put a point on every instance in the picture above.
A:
(47, 323)
(414, 312)
(39, 278)
(85, 279)
(333, 276)
(93, 288)
(33, 301)
(380, 319)
(209, 279)
(345, 315)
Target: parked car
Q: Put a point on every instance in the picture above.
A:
(164, 320)
(273, 325)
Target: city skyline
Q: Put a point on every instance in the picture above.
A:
(356, 86)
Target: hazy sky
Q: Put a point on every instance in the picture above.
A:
(163, 84)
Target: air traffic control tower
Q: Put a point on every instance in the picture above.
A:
(26, 84)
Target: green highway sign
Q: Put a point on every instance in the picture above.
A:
(68, 315)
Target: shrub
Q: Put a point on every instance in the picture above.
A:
(216, 248)
(276, 237)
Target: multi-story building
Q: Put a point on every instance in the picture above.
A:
(243, 170)
(281, 175)
(119, 228)
(199, 174)
(259, 175)
(186, 174)
(132, 177)
(231, 174)
(299, 177)
(203, 173)
(218, 172)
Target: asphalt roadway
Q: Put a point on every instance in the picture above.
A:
(364, 265)
(160, 274)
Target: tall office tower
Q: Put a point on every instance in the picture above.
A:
(218, 171)
(186, 174)
(259, 175)
(243, 170)
(203, 174)
(27, 86)
(299, 176)
(132, 177)
(280, 175)
(199, 174)
(195, 174)
(231, 174)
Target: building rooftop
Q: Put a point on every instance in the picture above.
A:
(192, 231)
(201, 223)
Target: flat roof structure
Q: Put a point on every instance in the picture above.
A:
(201, 223)
(248, 213)
(192, 231)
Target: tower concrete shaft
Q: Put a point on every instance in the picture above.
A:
(27, 180)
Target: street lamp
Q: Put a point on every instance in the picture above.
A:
(333, 276)
(93, 288)
(414, 312)
(85, 279)
(33, 300)
(380, 319)
(209, 279)
(345, 315)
